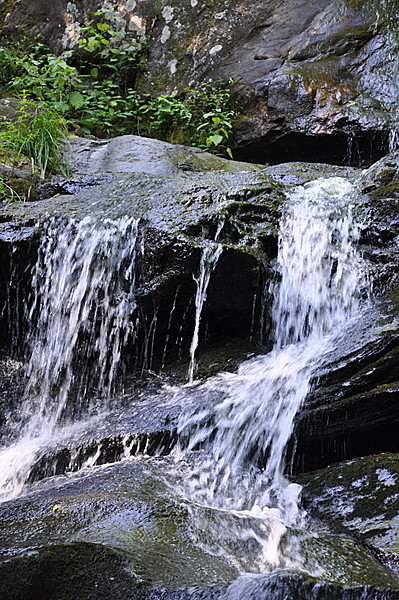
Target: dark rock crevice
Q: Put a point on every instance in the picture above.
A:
(358, 150)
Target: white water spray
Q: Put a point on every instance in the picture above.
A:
(209, 258)
(393, 139)
(84, 296)
(245, 435)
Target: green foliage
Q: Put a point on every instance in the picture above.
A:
(204, 117)
(214, 115)
(94, 89)
(106, 51)
(39, 133)
(48, 78)
(166, 116)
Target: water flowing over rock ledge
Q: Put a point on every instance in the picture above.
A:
(183, 205)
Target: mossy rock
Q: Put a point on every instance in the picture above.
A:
(385, 191)
(78, 571)
(87, 535)
(5, 8)
(126, 507)
(362, 496)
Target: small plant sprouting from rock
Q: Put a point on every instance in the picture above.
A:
(8, 194)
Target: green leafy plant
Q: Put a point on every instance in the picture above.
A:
(167, 116)
(106, 50)
(214, 115)
(48, 78)
(204, 117)
(94, 90)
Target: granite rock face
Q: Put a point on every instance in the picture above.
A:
(361, 496)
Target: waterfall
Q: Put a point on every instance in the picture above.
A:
(244, 434)
(84, 296)
(233, 450)
(210, 256)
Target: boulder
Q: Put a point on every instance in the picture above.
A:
(126, 530)
(353, 408)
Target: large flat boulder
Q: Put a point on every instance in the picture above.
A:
(125, 530)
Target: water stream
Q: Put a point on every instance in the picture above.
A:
(243, 435)
(84, 295)
(209, 258)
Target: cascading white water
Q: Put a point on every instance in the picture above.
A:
(244, 436)
(209, 258)
(393, 139)
(84, 296)
(84, 288)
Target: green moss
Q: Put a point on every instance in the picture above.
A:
(67, 572)
(393, 301)
(385, 191)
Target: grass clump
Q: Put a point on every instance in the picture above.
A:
(39, 133)
(8, 194)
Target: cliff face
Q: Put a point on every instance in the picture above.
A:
(316, 81)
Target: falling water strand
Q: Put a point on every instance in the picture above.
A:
(393, 141)
(245, 434)
(83, 287)
(209, 259)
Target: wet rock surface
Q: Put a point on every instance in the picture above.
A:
(122, 527)
(352, 409)
(182, 199)
(127, 513)
(11, 386)
(135, 154)
(180, 212)
(360, 496)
